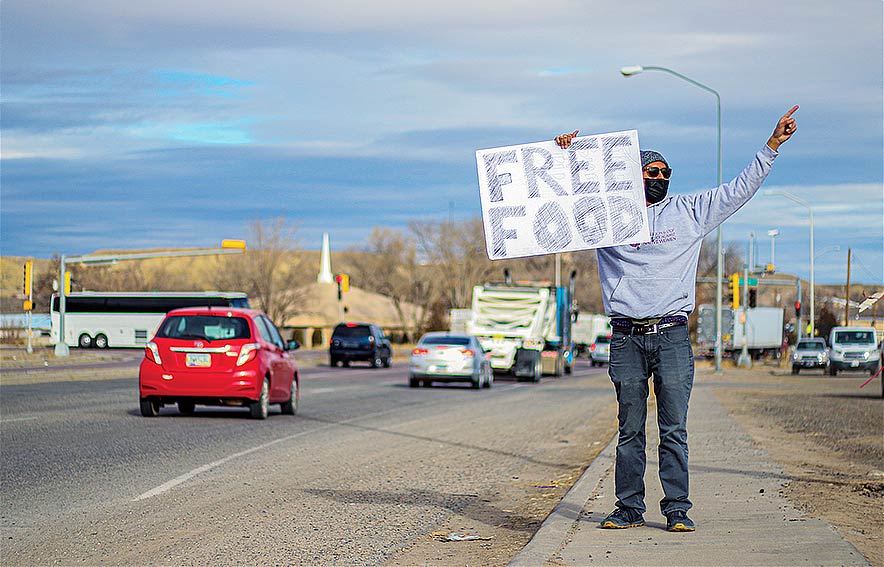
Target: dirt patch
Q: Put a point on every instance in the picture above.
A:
(12, 358)
(512, 513)
(826, 433)
(17, 366)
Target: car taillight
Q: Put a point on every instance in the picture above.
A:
(419, 352)
(152, 352)
(467, 352)
(247, 353)
(592, 347)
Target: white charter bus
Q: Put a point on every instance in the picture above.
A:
(127, 319)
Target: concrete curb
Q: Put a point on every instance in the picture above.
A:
(555, 528)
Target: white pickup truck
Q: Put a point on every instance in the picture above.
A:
(854, 348)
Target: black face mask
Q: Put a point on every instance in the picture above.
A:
(655, 189)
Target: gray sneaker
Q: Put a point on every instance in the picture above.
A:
(678, 521)
(622, 518)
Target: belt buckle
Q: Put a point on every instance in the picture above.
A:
(653, 330)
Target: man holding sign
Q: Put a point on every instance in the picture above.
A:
(649, 290)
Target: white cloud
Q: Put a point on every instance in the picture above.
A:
(849, 207)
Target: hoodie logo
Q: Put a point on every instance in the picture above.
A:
(658, 238)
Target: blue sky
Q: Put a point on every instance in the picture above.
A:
(176, 123)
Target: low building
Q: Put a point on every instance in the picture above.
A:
(312, 325)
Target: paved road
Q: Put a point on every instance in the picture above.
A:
(366, 466)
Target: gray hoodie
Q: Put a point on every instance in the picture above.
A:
(658, 278)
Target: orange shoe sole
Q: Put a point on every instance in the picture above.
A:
(613, 526)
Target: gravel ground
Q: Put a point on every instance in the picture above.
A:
(828, 435)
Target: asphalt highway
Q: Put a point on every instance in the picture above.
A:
(365, 467)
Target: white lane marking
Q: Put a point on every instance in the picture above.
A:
(165, 487)
(321, 391)
(11, 419)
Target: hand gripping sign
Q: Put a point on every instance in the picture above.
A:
(540, 199)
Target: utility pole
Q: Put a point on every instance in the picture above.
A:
(61, 347)
(847, 293)
(558, 271)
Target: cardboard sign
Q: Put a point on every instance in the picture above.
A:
(540, 199)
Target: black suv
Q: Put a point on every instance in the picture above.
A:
(360, 341)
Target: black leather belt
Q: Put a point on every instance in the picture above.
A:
(647, 326)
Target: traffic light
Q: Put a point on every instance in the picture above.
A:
(798, 309)
(735, 290)
(753, 296)
(27, 277)
(343, 281)
(67, 283)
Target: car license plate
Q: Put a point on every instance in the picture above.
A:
(855, 363)
(439, 368)
(198, 360)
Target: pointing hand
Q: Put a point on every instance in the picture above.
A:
(784, 130)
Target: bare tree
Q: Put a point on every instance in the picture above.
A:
(387, 264)
(269, 272)
(456, 253)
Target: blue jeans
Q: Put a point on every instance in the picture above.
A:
(667, 357)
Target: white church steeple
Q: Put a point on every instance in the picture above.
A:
(325, 273)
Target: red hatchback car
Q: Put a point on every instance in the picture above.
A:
(219, 356)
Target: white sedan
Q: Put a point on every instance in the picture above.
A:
(445, 357)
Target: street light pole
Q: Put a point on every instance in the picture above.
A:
(773, 233)
(810, 211)
(719, 265)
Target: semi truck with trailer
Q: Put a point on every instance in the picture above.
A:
(525, 326)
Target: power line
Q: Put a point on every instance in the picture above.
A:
(856, 260)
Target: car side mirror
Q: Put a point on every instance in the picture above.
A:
(292, 345)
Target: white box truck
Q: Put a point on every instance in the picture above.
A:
(763, 331)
